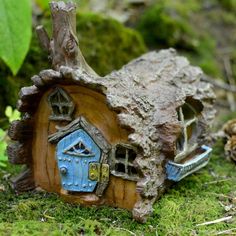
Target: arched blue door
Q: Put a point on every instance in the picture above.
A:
(75, 153)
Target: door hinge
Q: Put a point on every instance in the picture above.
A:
(98, 172)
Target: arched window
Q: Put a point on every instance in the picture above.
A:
(188, 115)
(122, 159)
(61, 104)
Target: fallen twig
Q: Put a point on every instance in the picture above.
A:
(220, 84)
(47, 216)
(132, 233)
(215, 221)
(228, 231)
(218, 181)
(230, 80)
(221, 195)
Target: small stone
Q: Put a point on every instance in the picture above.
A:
(2, 188)
(39, 189)
(229, 207)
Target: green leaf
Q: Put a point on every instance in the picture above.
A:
(12, 114)
(15, 32)
(8, 111)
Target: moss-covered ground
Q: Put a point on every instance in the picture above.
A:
(208, 195)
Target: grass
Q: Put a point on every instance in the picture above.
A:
(3, 157)
(196, 199)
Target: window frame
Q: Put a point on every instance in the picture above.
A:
(64, 101)
(188, 147)
(114, 161)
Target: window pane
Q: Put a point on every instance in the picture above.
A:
(123, 156)
(132, 171)
(119, 167)
(62, 105)
(180, 143)
(188, 112)
(120, 152)
(131, 155)
(192, 131)
(56, 110)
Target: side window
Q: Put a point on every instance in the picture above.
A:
(188, 115)
(61, 104)
(122, 158)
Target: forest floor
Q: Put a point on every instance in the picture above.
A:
(208, 195)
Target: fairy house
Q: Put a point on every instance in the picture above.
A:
(118, 140)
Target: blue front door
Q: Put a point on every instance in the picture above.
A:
(75, 153)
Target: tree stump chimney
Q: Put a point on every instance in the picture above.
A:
(63, 48)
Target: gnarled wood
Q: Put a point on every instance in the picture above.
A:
(28, 93)
(19, 153)
(43, 38)
(46, 78)
(20, 130)
(63, 48)
(29, 98)
(27, 106)
(23, 182)
(38, 81)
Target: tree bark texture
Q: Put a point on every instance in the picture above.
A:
(63, 48)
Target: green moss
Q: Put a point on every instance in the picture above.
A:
(3, 145)
(196, 199)
(166, 24)
(34, 228)
(229, 5)
(195, 28)
(106, 44)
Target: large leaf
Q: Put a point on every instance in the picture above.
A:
(15, 32)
